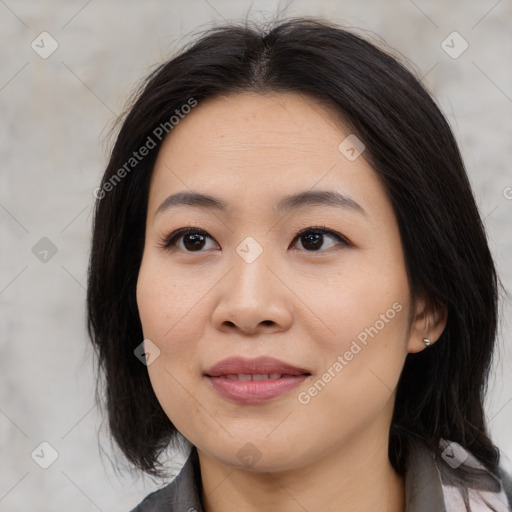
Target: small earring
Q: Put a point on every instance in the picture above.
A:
(426, 341)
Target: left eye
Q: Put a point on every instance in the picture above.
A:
(312, 239)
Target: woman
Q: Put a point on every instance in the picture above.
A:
(289, 270)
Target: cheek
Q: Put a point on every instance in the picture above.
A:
(367, 311)
(168, 309)
(361, 366)
(367, 298)
(167, 302)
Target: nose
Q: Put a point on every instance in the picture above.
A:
(252, 298)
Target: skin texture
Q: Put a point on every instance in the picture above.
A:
(302, 306)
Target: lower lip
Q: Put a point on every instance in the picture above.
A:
(255, 391)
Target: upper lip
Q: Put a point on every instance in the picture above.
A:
(263, 364)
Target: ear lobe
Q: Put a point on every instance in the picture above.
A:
(429, 323)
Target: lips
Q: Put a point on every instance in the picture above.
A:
(257, 366)
(252, 376)
(254, 381)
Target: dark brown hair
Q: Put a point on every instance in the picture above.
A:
(410, 146)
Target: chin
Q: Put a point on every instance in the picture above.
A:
(254, 454)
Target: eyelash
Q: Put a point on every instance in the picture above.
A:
(169, 242)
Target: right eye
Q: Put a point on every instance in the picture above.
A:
(187, 239)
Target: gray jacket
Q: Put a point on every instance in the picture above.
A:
(430, 486)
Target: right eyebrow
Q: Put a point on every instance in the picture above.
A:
(191, 199)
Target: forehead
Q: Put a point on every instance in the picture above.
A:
(251, 121)
(244, 143)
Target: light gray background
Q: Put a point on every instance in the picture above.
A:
(55, 114)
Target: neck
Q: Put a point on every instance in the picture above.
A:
(356, 477)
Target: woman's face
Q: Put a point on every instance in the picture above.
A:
(332, 304)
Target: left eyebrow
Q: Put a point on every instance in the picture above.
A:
(285, 204)
(318, 198)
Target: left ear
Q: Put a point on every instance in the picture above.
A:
(429, 322)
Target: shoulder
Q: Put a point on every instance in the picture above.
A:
(506, 482)
(181, 494)
(456, 481)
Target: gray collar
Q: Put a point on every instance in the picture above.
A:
(430, 485)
